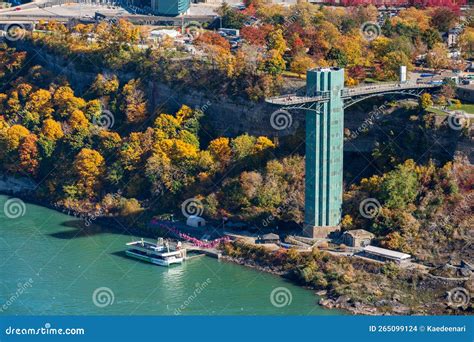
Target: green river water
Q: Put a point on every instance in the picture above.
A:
(49, 267)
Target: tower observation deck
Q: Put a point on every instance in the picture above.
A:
(324, 102)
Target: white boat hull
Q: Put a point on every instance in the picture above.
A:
(155, 261)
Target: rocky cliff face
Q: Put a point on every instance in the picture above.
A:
(365, 123)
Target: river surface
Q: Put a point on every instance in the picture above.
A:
(50, 267)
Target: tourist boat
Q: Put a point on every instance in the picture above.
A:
(160, 253)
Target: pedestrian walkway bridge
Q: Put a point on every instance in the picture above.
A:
(350, 96)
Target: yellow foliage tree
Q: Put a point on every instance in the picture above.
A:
(220, 150)
(89, 167)
(52, 129)
(134, 102)
(39, 104)
(78, 120)
(183, 114)
(301, 63)
(413, 17)
(15, 135)
(131, 152)
(263, 143)
(66, 102)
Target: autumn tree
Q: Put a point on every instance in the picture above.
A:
(426, 101)
(255, 35)
(444, 18)
(466, 40)
(221, 151)
(28, 155)
(392, 62)
(105, 85)
(78, 121)
(14, 136)
(273, 63)
(134, 103)
(437, 58)
(212, 38)
(242, 146)
(10, 60)
(301, 63)
(89, 168)
(66, 103)
(231, 18)
(51, 131)
(109, 141)
(276, 41)
(38, 107)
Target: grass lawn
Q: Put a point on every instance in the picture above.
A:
(436, 111)
(467, 107)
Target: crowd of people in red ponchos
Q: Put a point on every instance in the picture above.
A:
(189, 238)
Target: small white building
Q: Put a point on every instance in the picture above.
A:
(195, 221)
(159, 35)
(383, 254)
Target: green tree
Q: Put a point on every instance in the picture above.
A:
(231, 18)
(400, 187)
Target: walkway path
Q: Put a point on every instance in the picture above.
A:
(346, 93)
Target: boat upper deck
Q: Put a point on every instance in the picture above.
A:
(154, 248)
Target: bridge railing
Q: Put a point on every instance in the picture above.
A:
(296, 98)
(383, 87)
(325, 95)
(322, 96)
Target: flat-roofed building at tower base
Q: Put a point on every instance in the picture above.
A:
(319, 232)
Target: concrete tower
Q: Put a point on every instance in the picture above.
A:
(324, 153)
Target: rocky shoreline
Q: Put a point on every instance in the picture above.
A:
(341, 303)
(382, 307)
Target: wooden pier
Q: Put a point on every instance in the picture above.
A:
(199, 252)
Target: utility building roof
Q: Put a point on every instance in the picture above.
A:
(270, 236)
(386, 253)
(359, 233)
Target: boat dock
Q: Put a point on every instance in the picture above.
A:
(193, 252)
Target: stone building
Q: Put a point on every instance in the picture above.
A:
(357, 238)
